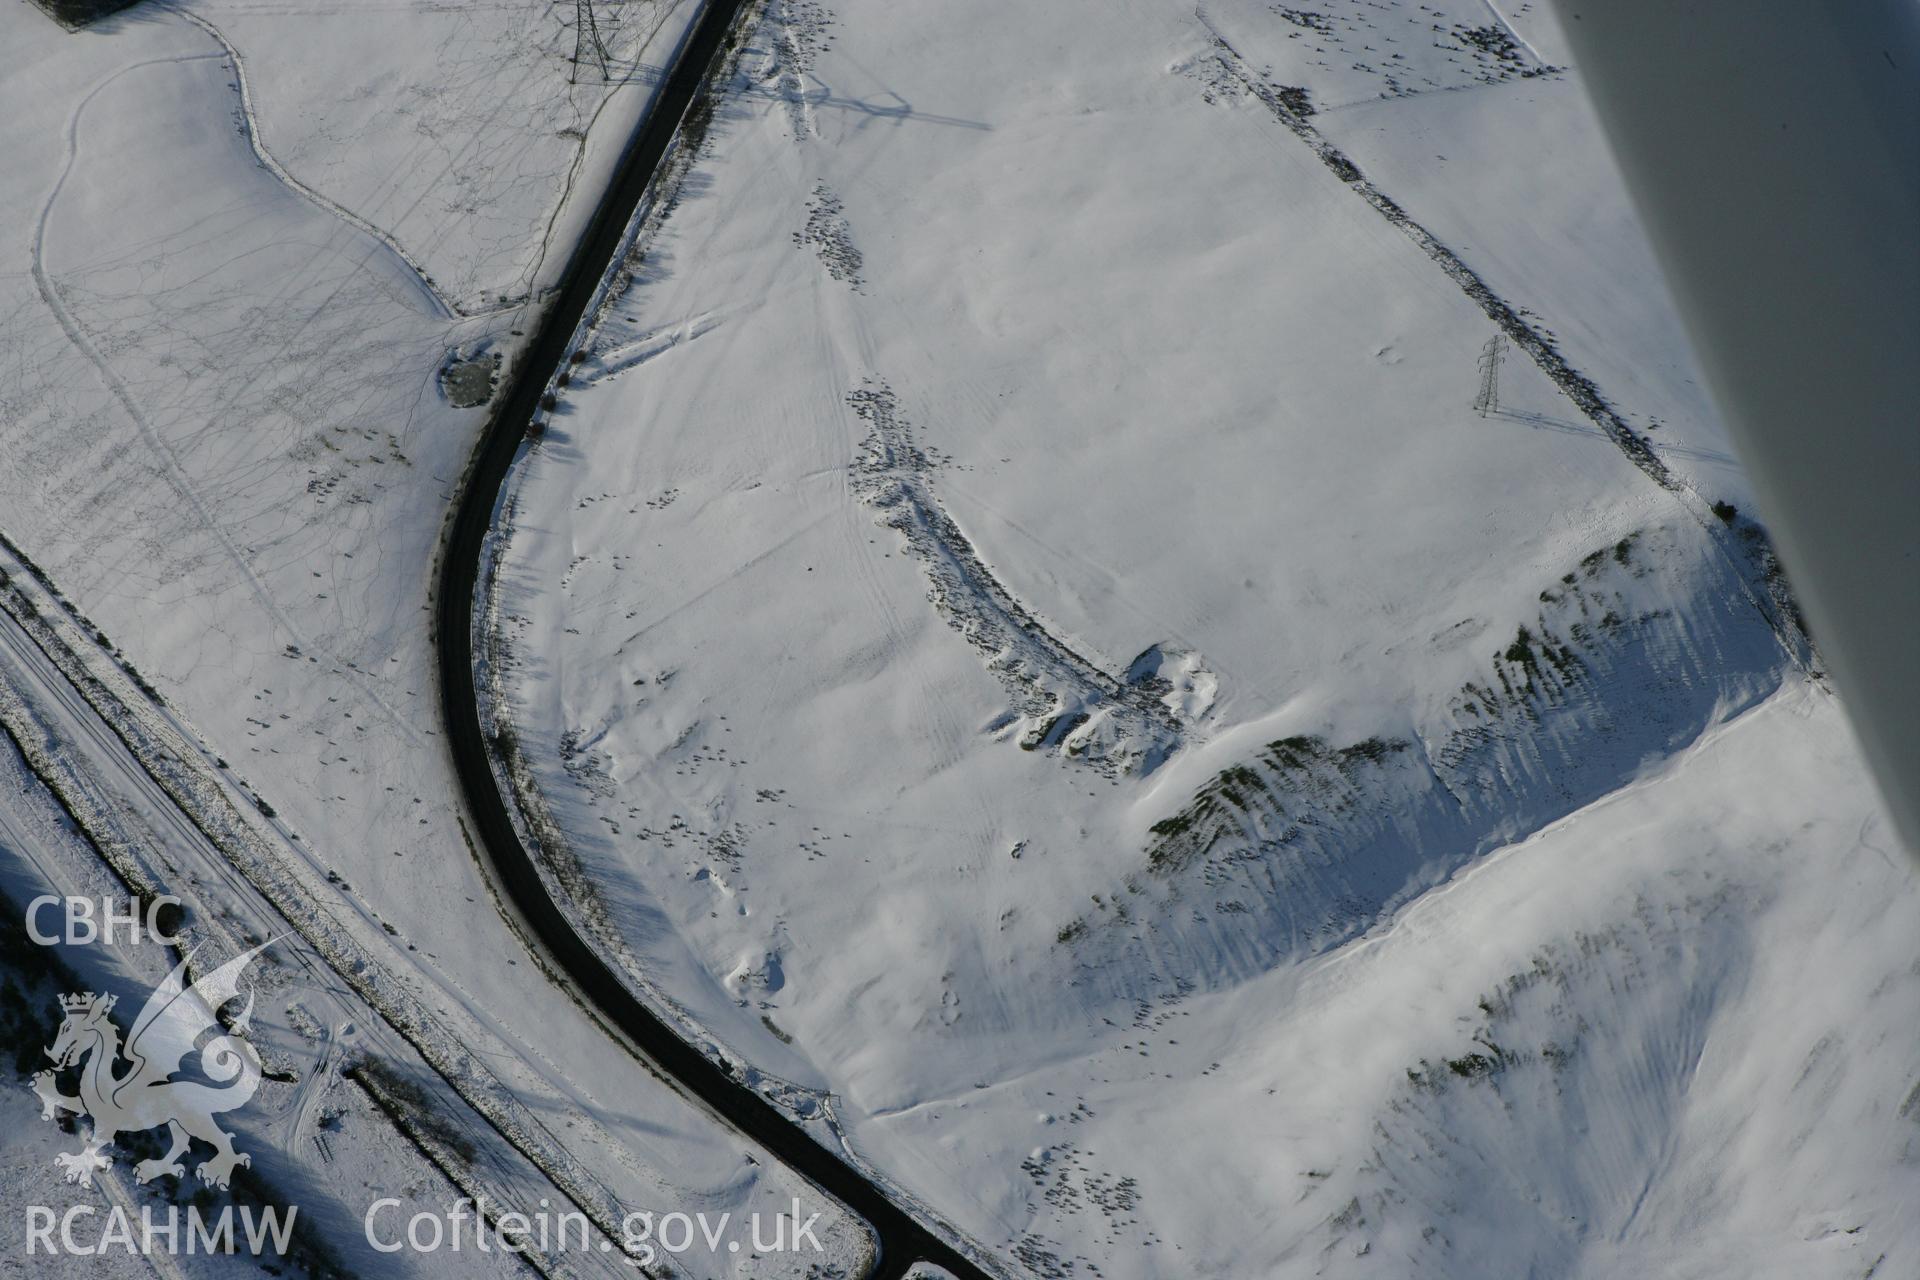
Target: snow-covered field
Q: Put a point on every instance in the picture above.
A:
(1018, 625)
(228, 291)
(1016, 633)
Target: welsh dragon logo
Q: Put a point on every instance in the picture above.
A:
(144, 1095)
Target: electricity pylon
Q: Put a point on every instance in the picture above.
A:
(586, 36)
(1488, 401)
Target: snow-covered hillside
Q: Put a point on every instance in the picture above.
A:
(1134, 610)
(1016, 623)
(241, 249)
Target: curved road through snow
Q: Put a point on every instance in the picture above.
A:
(904, 1240)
